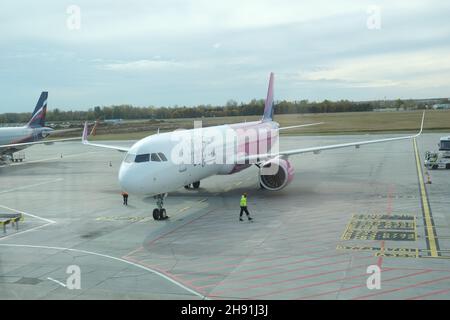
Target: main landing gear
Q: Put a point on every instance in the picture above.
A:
(160, 213)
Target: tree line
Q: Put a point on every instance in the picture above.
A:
(231, 108)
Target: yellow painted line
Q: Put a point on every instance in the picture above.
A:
(343, 237)
(415, 232)
(203, 200)
(238, 183)
(426, 207)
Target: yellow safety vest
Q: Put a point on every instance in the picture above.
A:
(243, 201)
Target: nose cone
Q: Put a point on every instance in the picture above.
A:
(125, 179)
(133, 179)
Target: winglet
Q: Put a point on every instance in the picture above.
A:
(85, 134)
(421, 125)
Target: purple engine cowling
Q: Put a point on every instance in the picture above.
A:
(276, 174)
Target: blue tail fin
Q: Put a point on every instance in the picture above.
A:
(268, 108)
(38, 118)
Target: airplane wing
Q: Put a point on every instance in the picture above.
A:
(301, 126)
(316, 150)
(24, 144)
(85, 141)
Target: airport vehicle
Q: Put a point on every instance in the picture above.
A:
(18, 157)
(152, 165)
(440, 159)
(13, 139)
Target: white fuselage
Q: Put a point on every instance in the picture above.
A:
(158, 177)
(17, 135)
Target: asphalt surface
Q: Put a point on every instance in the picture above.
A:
(346, 210)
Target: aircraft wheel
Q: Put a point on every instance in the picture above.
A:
(187, 186)
(156, 214)
(162, 214)
(196, 184)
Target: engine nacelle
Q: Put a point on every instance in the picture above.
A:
(276, 174)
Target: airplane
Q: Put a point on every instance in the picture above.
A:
(13, 139)
(152, 165)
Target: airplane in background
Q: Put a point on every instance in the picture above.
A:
(14, 139)
(149, 168)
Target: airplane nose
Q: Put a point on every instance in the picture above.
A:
(124, 179)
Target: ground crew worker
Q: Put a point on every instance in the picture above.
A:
(243, 204)
(125, 198)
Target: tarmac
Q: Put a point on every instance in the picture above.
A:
(345, 211)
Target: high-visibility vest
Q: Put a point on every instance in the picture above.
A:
(243, 201)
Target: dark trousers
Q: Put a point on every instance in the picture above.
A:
(244, 209)
(125, 200)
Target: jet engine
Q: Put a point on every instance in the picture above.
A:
(276, 174)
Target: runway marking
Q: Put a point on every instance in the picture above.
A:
(49, 222)
(158, 273)
(398, 252)
(238, 183)
(48, 159)
(364, 285)
(31, 186)
(433, 293)
(58, 282)
(405, 287)
(27, 214)
(25, 231)
(381, 227)
(430, 232)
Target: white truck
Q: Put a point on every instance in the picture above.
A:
(18, 157)
(440, 159)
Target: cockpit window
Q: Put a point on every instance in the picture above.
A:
(129, 158)
(142, 158)
(155, 157)
(162, 156)
(445, 145)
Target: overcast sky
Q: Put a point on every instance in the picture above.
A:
(192, 52)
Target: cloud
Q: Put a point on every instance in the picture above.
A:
(143, 51)
(426, 68)
(142, 65)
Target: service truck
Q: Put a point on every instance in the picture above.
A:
(441, 158)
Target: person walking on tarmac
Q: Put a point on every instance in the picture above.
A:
(125, 198)
(243, 204)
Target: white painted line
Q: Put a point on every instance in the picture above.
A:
(48, 159)
(31, 186)
(56, 281)
(27, 214)
(25, 231)
(108, 257)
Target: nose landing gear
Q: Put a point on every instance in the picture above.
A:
(160, 213)
(194, 185)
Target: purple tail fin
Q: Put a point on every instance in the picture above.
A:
(268, 108)
(38, 118)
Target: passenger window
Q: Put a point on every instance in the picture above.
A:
(162, 156)
(155, 157)
(143, 158)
